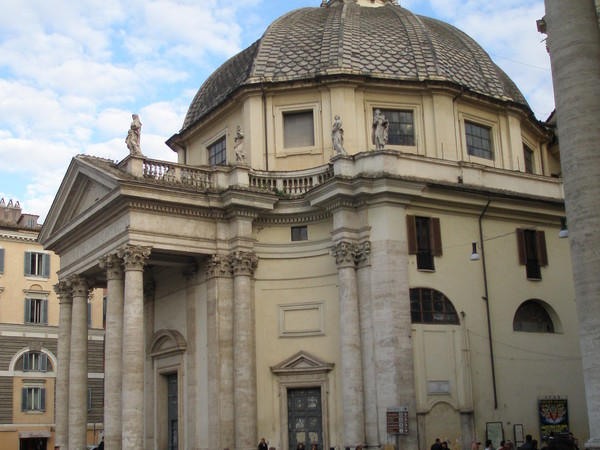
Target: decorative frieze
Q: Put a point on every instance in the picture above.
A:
(112, 265)
(243, 263)
(134, 256)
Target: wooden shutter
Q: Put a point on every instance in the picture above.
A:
(1, 260)
(44, 312)
(435, 235)
(27, 263)
(26, 362)
(42, 399)
(521, 246)
(411, 231)
(23, 399)
(46, 265)
(89, 314)
(27, 316)
(43, 362)
(541, 248)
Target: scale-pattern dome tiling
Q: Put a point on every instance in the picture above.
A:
(383, 42)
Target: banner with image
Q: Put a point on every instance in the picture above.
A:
(554, 417)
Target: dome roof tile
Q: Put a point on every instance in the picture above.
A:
(387, 42)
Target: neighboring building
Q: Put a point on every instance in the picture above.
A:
(271, 285)
(28, 337)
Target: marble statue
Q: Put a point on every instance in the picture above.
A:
(133, 136)
(380, 130)
(337, 136)
(240, 154)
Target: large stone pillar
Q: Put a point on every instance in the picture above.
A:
(574, 46)
(134, 259)
(65, 298)
(192, 426)
(352, 374)
(243, 265)
(363, 279)
(220, 352)
(78, 364)
(113, 350)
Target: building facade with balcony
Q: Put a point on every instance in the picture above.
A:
(29, 337)
(357, 244)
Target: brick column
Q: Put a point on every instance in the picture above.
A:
(113, 354)
(65, 298)
(134, 259)
(78, 364)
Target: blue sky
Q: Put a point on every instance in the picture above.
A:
(71, 73)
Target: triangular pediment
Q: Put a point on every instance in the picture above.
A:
(302, 362)
(83, 187)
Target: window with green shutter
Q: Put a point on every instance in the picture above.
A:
(37, 264)
(1, 260)
(36, 311)
(33, 399)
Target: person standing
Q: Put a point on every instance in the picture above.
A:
(262, 445)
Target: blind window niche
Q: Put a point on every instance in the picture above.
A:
(298, 129)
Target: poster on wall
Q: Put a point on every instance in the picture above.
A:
(554, 417)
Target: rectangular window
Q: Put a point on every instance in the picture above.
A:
(30, 222)
(479, 140)
(37, 264)
(401, 130)
(33, 399)
(1, 260)
(36, 311)
(217, 153)
(35, 362)
(528, 158)
(532, 252)
(298, 129)
(300, 233)
(424, 240)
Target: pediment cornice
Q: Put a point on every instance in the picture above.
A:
(302, 363)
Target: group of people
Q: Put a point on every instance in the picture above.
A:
(553, 443)
(263, 445)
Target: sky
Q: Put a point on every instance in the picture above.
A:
(72, 73)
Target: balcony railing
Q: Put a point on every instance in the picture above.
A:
(173, 173)
(290, 183)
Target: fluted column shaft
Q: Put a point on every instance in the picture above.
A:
(78, 364)
(65, 298)
(352, 374)
(243, 265)
(113, 344)
(134, 259)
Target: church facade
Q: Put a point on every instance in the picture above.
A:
(359, 243)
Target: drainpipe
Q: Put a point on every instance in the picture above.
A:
(486, 298)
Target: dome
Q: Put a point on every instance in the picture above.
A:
(387, 42)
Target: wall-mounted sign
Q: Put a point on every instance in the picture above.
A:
(397, 420)
(554, 416)
(438, 387)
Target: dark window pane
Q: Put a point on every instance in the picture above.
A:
(532, 317)
(429, 306)
(479, 142)
(217, 153)
(401, 130)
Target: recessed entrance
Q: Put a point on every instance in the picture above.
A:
(305, 421)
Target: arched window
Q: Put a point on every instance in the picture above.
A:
(431, 306)
(532, 317)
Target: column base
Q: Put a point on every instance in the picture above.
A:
(593, 444)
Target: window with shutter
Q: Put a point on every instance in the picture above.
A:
(532, 252)
(424, 240)
(1, 260)
(33, 399)
(37, 264)
(36, 311)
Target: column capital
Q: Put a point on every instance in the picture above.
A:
(134, 256)
(64, 292)
(362, 254)
(80, 286)
(112, 265)
(243, 263)
(218, 266)
(189, 271)
(343, 252)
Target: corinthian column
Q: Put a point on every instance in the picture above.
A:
(113, 344)
(220, 352)
(65, 299)
(243, 265)
(78, 364)
(352, 378)
(363, 279)
(134, 259)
